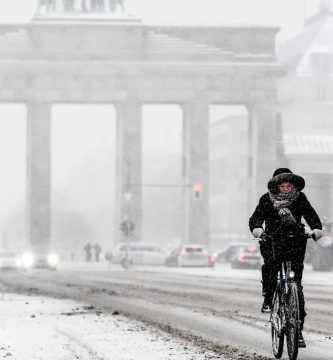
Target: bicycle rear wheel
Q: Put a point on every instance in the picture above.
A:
(293, 321)
(276, 323)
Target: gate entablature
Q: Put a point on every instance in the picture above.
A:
(77, 36)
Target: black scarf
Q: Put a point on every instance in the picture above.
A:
(281, 201)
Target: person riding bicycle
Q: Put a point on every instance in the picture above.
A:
(281, 209)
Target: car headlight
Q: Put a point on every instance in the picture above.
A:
(28, 260)
(18, 262)
(53, 259)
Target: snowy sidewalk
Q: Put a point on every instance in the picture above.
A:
(34, 328)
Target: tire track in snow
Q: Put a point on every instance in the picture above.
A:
(92, 354)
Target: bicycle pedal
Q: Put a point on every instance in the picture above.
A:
(301, 341)
(301, 344)
(266, 310)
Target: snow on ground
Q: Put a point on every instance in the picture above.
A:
(40, 328)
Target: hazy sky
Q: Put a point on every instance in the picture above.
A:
(287, 14)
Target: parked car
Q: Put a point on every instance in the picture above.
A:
(141, 254)
(226, 254)
(320, 253)
(322, 259)
(9, 260)
(190, 255)
(246, 257)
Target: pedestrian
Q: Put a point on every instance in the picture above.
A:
(281, 210)
(97, 249)
(87, 250)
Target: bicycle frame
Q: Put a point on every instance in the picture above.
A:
(285, 316)
(285, 275)
(282, 314)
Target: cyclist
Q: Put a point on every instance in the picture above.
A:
(281, 209)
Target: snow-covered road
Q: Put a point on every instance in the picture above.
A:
(33, 327)
(216, 309)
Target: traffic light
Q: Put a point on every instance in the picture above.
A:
(127, 227)
(197, 191)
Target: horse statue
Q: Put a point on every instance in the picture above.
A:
(68, 5)
(82, 5)
(98, 5)
(115, 3)
(49, 5)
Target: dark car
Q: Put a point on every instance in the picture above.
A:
(320, 253)
(190, 255)
(246, 257)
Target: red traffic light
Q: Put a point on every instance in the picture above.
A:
(197, 190)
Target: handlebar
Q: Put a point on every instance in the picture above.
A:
(309, 234)
(262, 239)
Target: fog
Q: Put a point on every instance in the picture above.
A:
(136, 139)
(84, 145)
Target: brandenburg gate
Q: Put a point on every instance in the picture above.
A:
(104, 58)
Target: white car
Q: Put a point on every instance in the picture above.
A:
(141, 253)
(190, 255)
(9, 260)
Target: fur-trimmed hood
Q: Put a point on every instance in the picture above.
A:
(285, 175)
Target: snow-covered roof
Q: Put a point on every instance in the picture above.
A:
(163, 46)
(18, 43)
(308, 144)
(316, 38)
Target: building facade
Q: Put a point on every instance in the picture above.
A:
(306, 104)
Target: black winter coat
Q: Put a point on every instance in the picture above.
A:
(265, 212)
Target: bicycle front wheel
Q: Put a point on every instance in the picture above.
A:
(293, 321)
(277, 330)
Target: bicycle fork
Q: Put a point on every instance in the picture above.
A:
(288, 276)
(278, 316)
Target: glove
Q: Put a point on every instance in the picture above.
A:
(316, 234)
(257, 232)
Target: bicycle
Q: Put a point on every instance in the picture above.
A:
(285, 315)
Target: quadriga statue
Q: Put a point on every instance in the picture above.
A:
(80, 5)
(68, 5)
(115, 3)
(48, 5)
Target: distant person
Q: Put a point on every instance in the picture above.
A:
(108, 257)
(72, 256)
(87, 249)
(97, 250)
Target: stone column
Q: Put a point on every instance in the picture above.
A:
(196, 172)
(264, 143)
(39, 174)
(129, 168)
